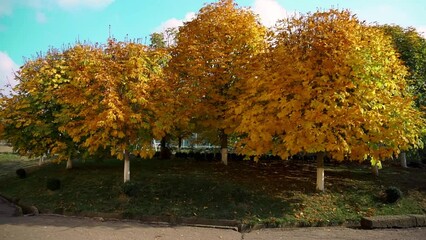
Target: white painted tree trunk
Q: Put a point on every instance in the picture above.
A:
(403, 158)
(320, 171)
(375, 170)
(224, 152)
(126, 166)
(69, 163)
(41, 160)
(224, 146)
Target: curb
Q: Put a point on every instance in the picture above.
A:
(388, 221)
(166, 220)
(394, 221)
(20, 209)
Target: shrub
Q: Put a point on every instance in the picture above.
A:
(53, 184)
(181, 155)
(165, 153)
(392, 194)
(131, 188)
(21, 173)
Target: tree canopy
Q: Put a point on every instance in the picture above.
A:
(211, 55)
(112, 97)
(92, 97)
(411, 47)
(329, 84)
(28, 117)
(321, 83)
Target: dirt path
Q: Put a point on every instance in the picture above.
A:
(71, 228)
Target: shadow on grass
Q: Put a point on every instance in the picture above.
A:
(188, 196)
(283, 190)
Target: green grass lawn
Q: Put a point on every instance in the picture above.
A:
(9, 162)
(279, 192)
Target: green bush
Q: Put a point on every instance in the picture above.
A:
(53, 184)
(21, 173)
(392, 194)
(131, 188)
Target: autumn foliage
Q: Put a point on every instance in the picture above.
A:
(328, 83)
(113, 98)
(29, 117)
(209, 62)
(323, 83)
(86, 98)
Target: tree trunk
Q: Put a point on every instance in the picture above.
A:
(402, 157)
(126, 166)
(224, 146)
(69, 163)
(179, 143)
(41, 160)
(320, 171)
(375, 170)
(165, 152)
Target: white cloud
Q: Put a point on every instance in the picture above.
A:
(40, 6)
(7, 68)
(6, 7)
(269, 11)
(171, 23)
(422, 30)
(96, 4)
(174, 22)
(41, 17)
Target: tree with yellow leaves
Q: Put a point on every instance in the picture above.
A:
(411, 46)
(113, 101)
(331, 86)
(211, 56)
(28, 116)
(86, 98)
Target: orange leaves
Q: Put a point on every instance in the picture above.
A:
(329, 83)
(87, 96)
(114, 94)
(210, 63)
(325, 83)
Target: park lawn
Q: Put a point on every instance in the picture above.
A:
(9, 162)
(272, 192)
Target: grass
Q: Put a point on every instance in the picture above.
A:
(276, 193)
(10, 162)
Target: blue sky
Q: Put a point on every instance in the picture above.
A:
(28, 27)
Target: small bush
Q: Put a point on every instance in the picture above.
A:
(21, 173)
(165, 153)
(53, 184)
(131, 188)
(392, 194)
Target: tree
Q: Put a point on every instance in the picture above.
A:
(112, 100)
(331, 86)
(86, 98)
(28, 117)
(411, 47)
(157, 41)
(211, 55)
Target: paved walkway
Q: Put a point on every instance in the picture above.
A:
(71, 228)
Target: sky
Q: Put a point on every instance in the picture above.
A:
(31, 27)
